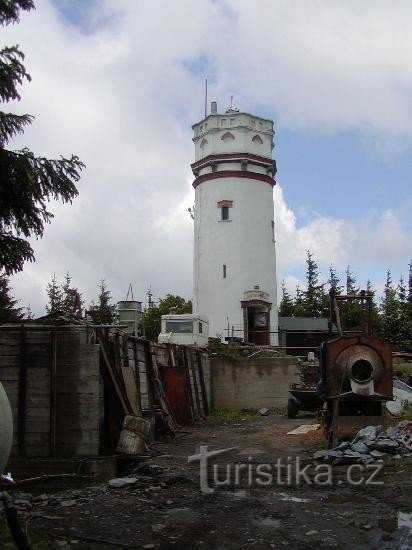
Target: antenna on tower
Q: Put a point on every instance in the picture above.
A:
(149, 294)
(232, 109)
(205, 97)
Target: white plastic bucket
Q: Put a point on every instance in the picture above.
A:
(134, 434)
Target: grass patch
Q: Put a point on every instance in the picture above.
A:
(231, 415)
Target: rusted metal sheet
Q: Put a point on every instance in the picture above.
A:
(176, 387)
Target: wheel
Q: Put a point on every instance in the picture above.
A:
(293, 408)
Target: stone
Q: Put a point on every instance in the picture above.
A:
(343, 446)
(264, 411)
(157, 527)
(385, 445)
(149, 470)
(68, 503)
(119, 482)
(353, 454)
(22, 502)
(377, 454)
(320, 455)
(368, 433)
(360, 447)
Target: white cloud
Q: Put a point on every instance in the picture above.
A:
(121, 96)
(368, 245)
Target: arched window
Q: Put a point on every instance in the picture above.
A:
(257, 140)
(228, 136)
(203, 143)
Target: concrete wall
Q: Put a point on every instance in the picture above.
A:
(252, 383)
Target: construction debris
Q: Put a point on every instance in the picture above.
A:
(402, 397)
(371, 444)
(304, 429)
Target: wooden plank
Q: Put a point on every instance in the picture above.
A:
(21, 415)
(137, 376)
(113, 378)
(193, 397)
(202, 382)
(131, 390)
(53, 393)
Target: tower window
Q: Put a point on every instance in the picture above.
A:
(224, 271)
(224, 209)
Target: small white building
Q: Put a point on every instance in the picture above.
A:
(234, 283)
(187, 328)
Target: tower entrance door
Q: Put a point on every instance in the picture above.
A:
(256, 317)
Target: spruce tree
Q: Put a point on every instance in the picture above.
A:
(390, 313)
(410, 283)
(286, 307)
(27, 182)
(67, 301)
(403, 340)
(334, 280)
(102, 312)
(55, 296)
(9, 312)
(351, 308)
(375, 317)
(316, 299)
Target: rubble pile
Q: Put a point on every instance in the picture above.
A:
(371, 444)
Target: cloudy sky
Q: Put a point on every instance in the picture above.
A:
(120, 82)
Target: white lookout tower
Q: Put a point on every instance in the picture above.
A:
(234, 276)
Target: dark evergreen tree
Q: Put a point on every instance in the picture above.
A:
(410, 283)
(334, 280)
(102, 311)
(389, 313)
(316, 300)
(29, 313)
(351, 287)
(375, 317)
(299, 302)
(286, 306)
(351, 313)
(68, 299)
(9, 311)
(55, 296)
(27, 182)
(403, 340)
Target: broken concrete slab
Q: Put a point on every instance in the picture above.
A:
(304, 429)
(119, 482)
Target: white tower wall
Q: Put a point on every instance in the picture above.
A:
(234, 259)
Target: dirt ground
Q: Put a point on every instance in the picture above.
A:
(165, 507)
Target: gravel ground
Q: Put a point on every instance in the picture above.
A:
(251, 497)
